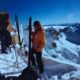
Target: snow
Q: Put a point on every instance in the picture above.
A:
(12, 33)
(62, 43)
(63, 61)
(56, 27)
(55, 61)
(68, 45)
(11, 63)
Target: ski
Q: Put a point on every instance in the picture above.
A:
(30, 30)
(17, 26)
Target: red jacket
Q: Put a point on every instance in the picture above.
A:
(38, 40)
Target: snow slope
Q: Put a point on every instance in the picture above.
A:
(61, 61)
(64, 49)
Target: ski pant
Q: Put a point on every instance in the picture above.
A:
(38, 58)
(3, 47)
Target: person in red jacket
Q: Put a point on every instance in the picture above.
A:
(38, 43)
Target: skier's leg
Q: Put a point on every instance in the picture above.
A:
(40, 62)
(32, 58)
(3, 47)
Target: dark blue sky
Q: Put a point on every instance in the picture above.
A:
(46, 11)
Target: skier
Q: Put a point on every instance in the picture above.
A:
(38, 43)
(5, 36)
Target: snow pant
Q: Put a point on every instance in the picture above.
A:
(38, 58)
(3, 47)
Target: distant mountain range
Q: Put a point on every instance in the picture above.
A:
(72, 31)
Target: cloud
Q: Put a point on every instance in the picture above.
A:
(70, 16)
